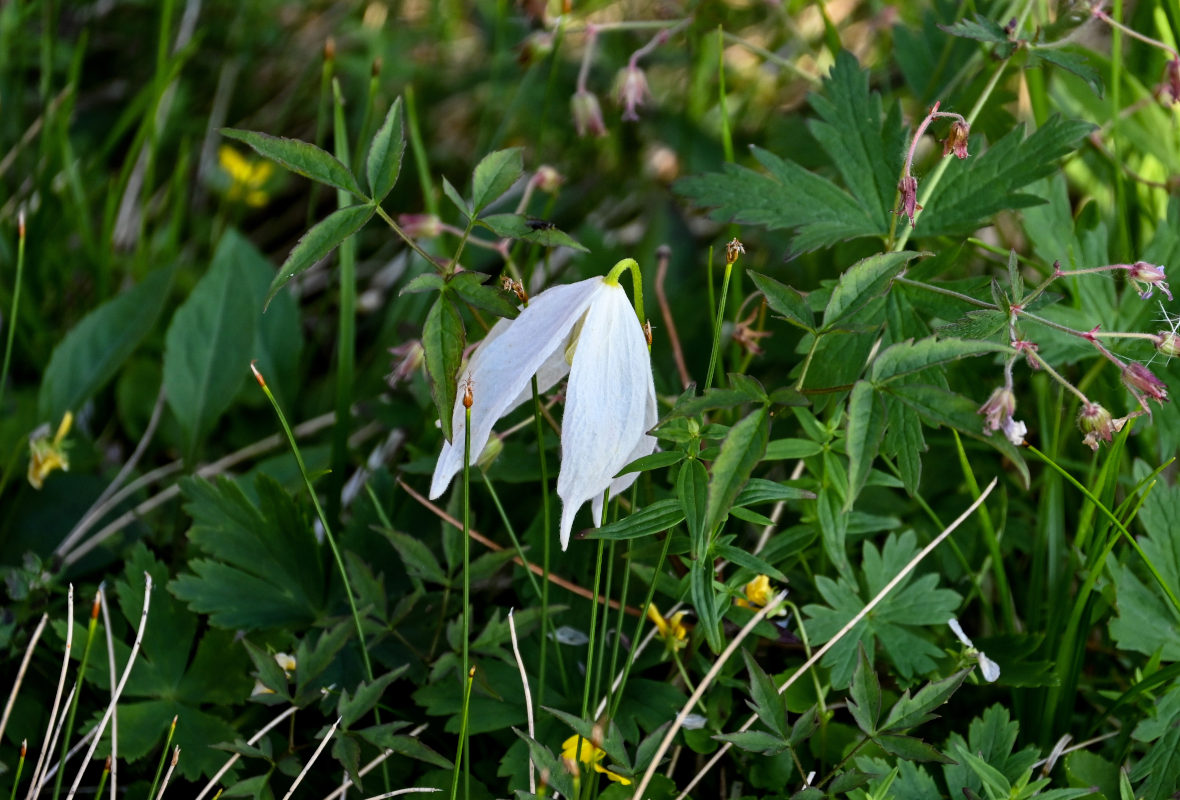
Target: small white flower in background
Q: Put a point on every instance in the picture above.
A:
(589, 331)
(569, 636)
(286, 662)
(989, 668)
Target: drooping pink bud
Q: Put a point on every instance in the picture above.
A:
(420, 226)
(631, 91)
(1171, 84)
(587, 114)
(1140, 379)
(1146, 277)
(908, 186)
(956, 140)
(1096, 423)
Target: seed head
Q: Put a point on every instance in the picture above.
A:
(956, 140)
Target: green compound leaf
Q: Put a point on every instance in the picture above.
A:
(659, 516)
(518, 226)
(302, 158)
(908, 357)
(495, 175)
(443, 338)
(741, 451)
(92, 352)
(914, 603)
(861, 283)
(384, 162)
(324, 237)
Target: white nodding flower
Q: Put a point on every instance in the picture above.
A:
(589, 331)
(989, 668)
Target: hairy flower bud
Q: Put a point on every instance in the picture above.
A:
(1096, 423)
(631, 91)
(1168, 343)
(548, 179)
(420, 226)
(998, 411)
(908, 186)
(1171, 84)
(1146, 277)
(956, 140)
(1140, 379)
(587, 114)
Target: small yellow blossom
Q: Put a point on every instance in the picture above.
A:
(672, 631)
(758, 593)
(247, 179)
(590, 755)
(45, 454)
(287, 662)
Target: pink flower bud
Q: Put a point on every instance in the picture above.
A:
(409, 358)
(1096, 423)
(631, 91)
(420, 226)
(1171, 84)
(1168, 343)
(998, 411)
(1146, 277)
(587, 114)
(1140, 379)
(548, 179)
(956, 140)
(908, 186)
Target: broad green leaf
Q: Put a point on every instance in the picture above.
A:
(453, 195)
(760, 490)
(904, 442)
(973, 191)
(910, 748)
(210, 342)
(658, 460)
(785, 449)
(470, 286)
(910, 712)
(785, 301)
(518, 226)
(94, 349)
(991, 736)
(980, 28)
(443, 339)
(767, 702)
(833, 528)
(866, 427)
(865, 694)
(410, 746)
(384, 162)
(692, 489)
(416, 556)
(907, 357)
(265, 567)
(767, 744)
(424, 282)
(704, 599)
(913, 603)
(324, 237)
(494, 175)
(350, 709)
(861, 283)
(655, 518)
(302, 158)
(746, 559)
(741, 451)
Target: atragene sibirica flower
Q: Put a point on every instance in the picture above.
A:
(589, 331)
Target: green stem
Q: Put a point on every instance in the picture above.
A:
(651, 590)
(319, 510)
(16, 288)
(20, 767)
(546, 522)
(617, 270)
(346, 330)
(717, 325)
(421, 163)
(460, 755)
(69, 726)
(722, 106)
(593, 635)
(163, 759)
(467, 670)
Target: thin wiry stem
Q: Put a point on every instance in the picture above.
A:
(106, 625)
(852, 623)
(110, 711)
(20, 673)
(528, 697)
(42, 762)
(307, 767)
(39, 784)
(168, 774)
(396, 792)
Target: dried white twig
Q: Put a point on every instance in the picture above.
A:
(20, 673)
(852, 623)
(42, 757)
(106, 625)
(310, 761)
(411, 790)
(168, 774)
(61, 721)
(102, 724)
(528, 698)
(234, 758)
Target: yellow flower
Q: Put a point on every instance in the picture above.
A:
(672, 631)
(590, 755)
(758, 593)
(45, 454)
(247, 178)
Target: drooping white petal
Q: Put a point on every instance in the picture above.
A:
(989, 668)
(606, 409)
(503, 366)
(957, 629)
(645, 447)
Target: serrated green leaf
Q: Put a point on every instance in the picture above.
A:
(453, 195)
(979, 324)
(494, 175)
(785, 301)
(804, 727)
(324, 237)
(517, 226)
(910, 748)
(767, 744)
(302, 158)
(975, 190)
(366, 696)
(470, 286)
(767, 702)
(417, 558)
(443, 339)
(864, 281)
(908, 357)
(655, 518)
(741, 451)
(865, 694)
(94, 349)
(866, 428)
(909, 712)
(210, 341)
(980, 28)
(384, 161)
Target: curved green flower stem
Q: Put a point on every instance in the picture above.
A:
(651, 590)
(616, 271)
(461, 755)
(346, 330)
(319, 510)
(714, 352)
(69, 726)
(999, 574)
(1113, 519)
(546, 528)
(405, 237)
(163, 758)
(688, 684)
(20, 271)
(20, 767)
(421, 164)
(594, 595)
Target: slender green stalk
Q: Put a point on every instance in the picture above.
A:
(600, 662)
(461, 755)
(467, 670)
(163, 759)
(106, 773)
(366, 128)
(713, 353)
(321, 119)
(614, 653)
(651, 590)
(16, 287)
(346, 329)
(546, 528)
(20, 767)
(319, 510)
(590, 648)
(91, 628)
(722, 106)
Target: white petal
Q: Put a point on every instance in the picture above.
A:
(645, 447)
(607, 402)
(502, 368)
(990, 669)
(958, 630)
